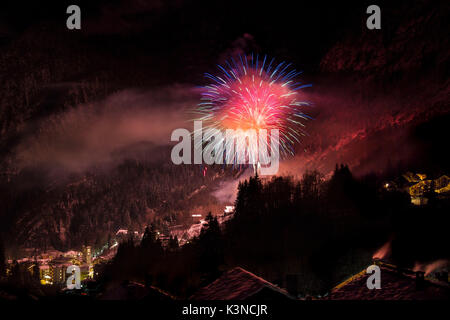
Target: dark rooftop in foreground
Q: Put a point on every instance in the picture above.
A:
(130, 290)
(396, 284)
(240, 284)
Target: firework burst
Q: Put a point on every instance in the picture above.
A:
(255, 93)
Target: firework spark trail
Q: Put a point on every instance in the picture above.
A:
(254, 94)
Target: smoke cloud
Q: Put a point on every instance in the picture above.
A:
(227, 190)
(364, 130)
(432, 267)
(92, 134)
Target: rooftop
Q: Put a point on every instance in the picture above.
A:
(396, 284)
(240, 284)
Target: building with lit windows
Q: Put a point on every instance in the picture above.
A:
(46, 274)
(87, 254)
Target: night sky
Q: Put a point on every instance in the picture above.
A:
(153, 55)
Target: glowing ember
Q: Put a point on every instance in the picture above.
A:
(383, 252)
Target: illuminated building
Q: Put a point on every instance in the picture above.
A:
(59, 267)
(59, 274)
(8, 270)
(195, 218)
(87, 254)
(91, 272)
(442, 184)
(228, 210)
(422, 186)
(46, 274)
(85, 271)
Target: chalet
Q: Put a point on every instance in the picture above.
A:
(418, 186)
(240, 284)
(396, 284)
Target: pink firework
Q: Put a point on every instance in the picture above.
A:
(256, 94)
